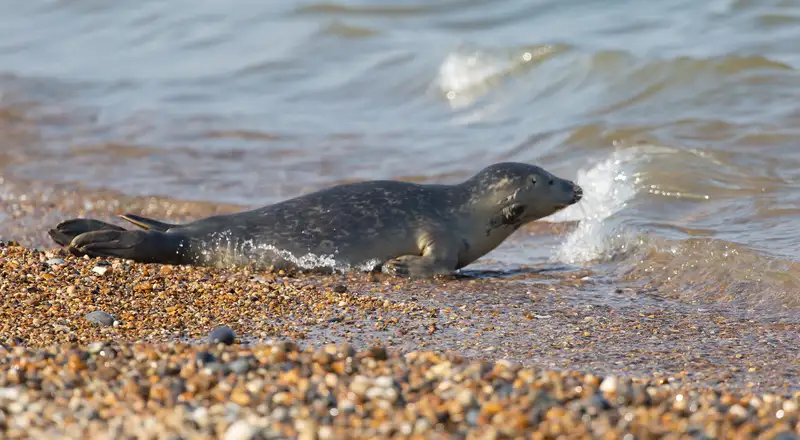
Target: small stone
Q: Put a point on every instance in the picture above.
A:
(384, 381)
(9, 394)
(200, 416)
(466, 398)
(223, 334)
(378, 353)
(738, 411)
(609, 384)
(240, 397)
(340, 288)
(101, 270)
(241, 430)
(307, 429)
(240, 366)
(785, 435)
(99, 317)
(95, 347)
(597, 404)
(205, 357)
(280, 414)
(55, 262)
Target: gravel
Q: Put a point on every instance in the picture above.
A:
(337, 391)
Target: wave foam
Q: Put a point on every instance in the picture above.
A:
(227, 251)
(608, 187)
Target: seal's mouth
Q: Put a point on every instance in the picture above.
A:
(577, 194)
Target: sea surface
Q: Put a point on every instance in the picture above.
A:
(680, 119)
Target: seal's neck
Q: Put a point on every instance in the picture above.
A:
(487, 220)
(480, 197)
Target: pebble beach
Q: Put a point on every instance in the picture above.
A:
(664, 305)
(114, 349)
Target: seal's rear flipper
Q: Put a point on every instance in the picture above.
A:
(147, 223)
(65, 231)
(141, 246)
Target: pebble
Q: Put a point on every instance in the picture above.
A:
(738, 411)
(55, 262)
(609, 384)
(223, 334)
(241, 430)
(101, 270)
(239, 366)
(95, 347)
(99, 317)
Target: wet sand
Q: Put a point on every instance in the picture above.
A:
(152, 371)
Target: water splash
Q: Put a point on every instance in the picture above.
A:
(225, 250)
(608, 187)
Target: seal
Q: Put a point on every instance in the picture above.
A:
(402, 228)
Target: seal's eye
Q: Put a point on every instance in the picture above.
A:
(551, 182)
(533, 179)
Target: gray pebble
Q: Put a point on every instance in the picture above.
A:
(205, 357)
(222, 334)
(55, 262)
(280, 414)
(99, 317)
(240, 366)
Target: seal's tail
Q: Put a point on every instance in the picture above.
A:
(99, 239)
(65, 231)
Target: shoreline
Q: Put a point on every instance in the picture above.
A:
(560, 328)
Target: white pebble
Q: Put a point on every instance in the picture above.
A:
(241, 430)
(383, 381)
(738, 411)
(100, 270)
(200, 415)
(609, 385)
(325, 433)
(9, 393)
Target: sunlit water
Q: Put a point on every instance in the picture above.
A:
(680, 119)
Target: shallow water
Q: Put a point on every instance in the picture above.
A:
(679, 118)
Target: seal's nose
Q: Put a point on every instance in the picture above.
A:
(577, 193)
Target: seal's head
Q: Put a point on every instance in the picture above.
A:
(517, 193)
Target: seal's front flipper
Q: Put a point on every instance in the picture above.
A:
(147, 223)
(141, 246)
(439, 256)
(416, 266)
(66, 231)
